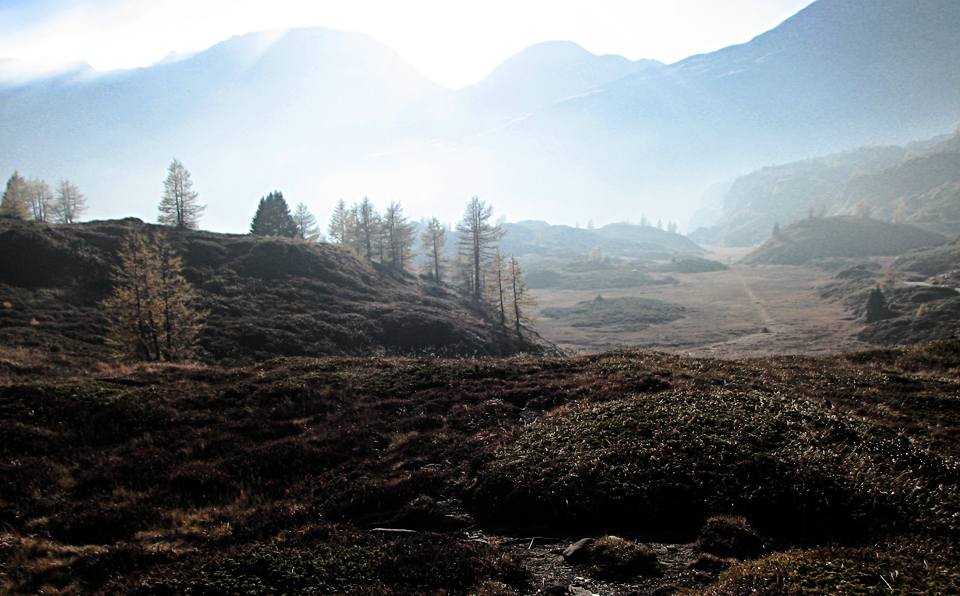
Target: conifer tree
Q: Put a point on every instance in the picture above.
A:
(178, 204)
(498, 278)
(150, 312)
(14, 203)
(521, 300)
(398, 235)
(365, 228)
(476, 238)
(306, 223)
(273, 217)
(70, 203)
(339, 224)
(434, 243)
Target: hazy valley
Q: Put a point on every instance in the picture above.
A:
(695, 334)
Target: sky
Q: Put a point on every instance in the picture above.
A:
(455, 43)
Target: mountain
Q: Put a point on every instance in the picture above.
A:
(321, 115)
(918, 184)
(924, 189)
(248, 115)
(265, 297)
(547, 72)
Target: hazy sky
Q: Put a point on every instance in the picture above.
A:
(453, 42)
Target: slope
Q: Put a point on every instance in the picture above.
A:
(266, 297)
(840, 236)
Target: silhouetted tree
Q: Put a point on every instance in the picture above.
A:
(70, 203)
(14, 203)
(476, 240)
(776, 230)
(434, 243)
(178, 204)
(150, 312)
(273, 217)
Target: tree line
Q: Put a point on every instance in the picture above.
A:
(33, 198)
(477, 266)
(150, 311)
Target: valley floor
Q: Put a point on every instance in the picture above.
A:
(748, 310)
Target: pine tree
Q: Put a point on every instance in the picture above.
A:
(43, 205)
(306, 223)
(521, 300)
(476, 238)
(178, 204)
(14, 203)
(150, 312)
(434, 243)
(273, 217)
(70, 203)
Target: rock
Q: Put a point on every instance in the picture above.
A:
(578, 552)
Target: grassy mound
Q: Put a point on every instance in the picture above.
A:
(916, 570)
(627, 313)
(795, 468)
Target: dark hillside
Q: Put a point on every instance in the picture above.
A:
(842, 236)
(401, 476)
(266, 297)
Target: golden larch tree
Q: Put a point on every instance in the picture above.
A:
(151, 313)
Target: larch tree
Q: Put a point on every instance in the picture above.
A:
(339, 224)
(178, 204)
(476, 238)
(14, 203)
(521, 300)
(273, 217)
(434, 244)
(398, 234)
(43, 205)
(498, 284)
(365, 228)
(306, 222)
(150, 312)
(70, 203)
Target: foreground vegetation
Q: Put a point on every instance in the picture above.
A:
(288, 476)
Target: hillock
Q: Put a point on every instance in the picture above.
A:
(266, 297)
(840, 236)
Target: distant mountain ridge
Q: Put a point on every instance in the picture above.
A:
(322, 115)
(918, 184)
